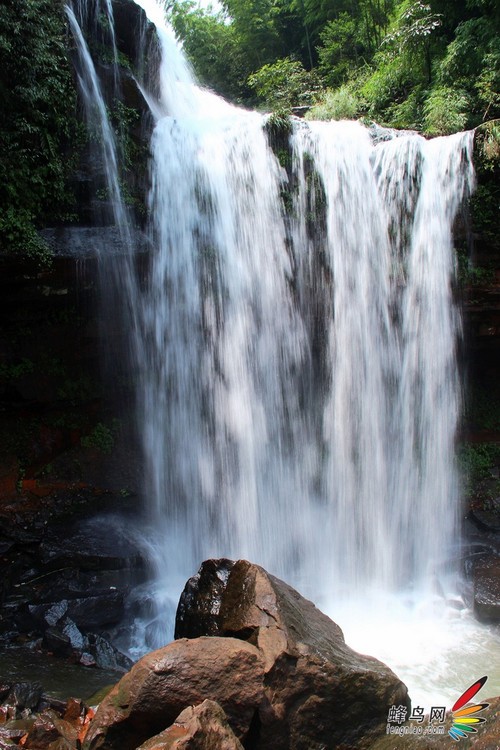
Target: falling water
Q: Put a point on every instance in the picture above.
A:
(296, 338)
(299, 389)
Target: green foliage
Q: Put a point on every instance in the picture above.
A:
(477, 459)
(285, 83)
(279, 124)
(213, 48)
(340, 104)
(259, 29)
(470, 274)
(485, 201)
(102, 438)
(403, 66)
(445, 111)
(340, 49)
(18, 234)
(12, 372)
(388, 88)
(491, 145)
(472, 64)
(432, 66)
(278, 128)
(36, 122)
(75, 389)
(415, 23)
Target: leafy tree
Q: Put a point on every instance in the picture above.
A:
(472, 63)
(340, 48)
(256, 23)
(284, 84)
(413, 32)
(213, 48)
(445, 111)
(403, 66)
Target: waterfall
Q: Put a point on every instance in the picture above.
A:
(299, 392)
(97, 119)
(295, 346)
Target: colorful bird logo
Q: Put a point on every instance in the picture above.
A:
(465, 719)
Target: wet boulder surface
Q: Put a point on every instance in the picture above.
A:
(279, 668)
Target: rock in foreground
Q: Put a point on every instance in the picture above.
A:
(163, 683)
(279, 668)
(318, 692)
(203, 727)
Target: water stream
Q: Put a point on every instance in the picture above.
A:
(298, 390)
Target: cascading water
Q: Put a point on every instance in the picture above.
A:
(298, 395)
(299, 388)
(96, 113)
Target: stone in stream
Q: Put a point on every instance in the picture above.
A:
(50, 731)
(279, 668)
(24, 695)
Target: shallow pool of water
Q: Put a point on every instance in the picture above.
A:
(58, 678)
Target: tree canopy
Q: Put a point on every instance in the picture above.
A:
(433, 65)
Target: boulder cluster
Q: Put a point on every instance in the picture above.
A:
(254, 665)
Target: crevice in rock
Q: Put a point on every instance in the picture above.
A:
(252, 739)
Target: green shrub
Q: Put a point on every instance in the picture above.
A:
(338, 104)
(284, 83)
(102, 438)
(477, 459)
(445, 111)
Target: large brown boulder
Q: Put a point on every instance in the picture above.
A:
(279, 668)
(203, 727)
(148, 699)
(318, 692)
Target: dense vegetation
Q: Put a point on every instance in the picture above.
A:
(433, 66)
(37, 121)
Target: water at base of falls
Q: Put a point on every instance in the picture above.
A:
(298, 385)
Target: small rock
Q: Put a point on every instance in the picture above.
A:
(200, 602)
(203, 727)
(97, 611)
(87, 660)
(55, 613)
(78, 641)
(48, 728)
(73, 710)
(106, 655)
(24, 695)
(57, 642)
